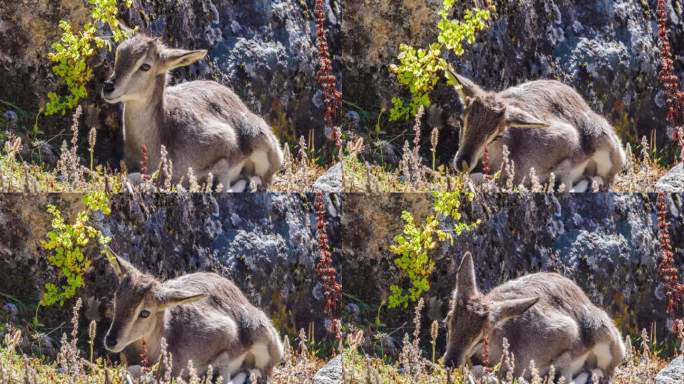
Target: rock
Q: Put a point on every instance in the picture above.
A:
(331, 181)
(673, 373)
(673, 181)
(331, 373)
(10, 116)
(11, 310)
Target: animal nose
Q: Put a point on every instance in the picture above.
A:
(110, 341)
(462, 166)
(108, 86)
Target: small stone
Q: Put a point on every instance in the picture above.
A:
(673, 181)
(10, 116)
(11, 309)
(331, 181)
(673, 373)
(331, 373)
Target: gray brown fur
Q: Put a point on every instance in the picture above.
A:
(545, 317)
(202, 316)
(546, 125)
(202, 124)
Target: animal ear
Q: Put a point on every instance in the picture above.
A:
(517, 118)
(466, 286)
(503, 310)
(170, 297)
(467, 90)
(174, 58)
(128, 31)
(121, 267)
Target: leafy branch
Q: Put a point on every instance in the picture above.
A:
(414, 244)
(419, 68)
(65, 244)
(71, 53)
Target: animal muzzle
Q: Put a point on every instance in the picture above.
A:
(109, 91)
(463, 162)
(453, 358)
(111, 341)
(108, 87)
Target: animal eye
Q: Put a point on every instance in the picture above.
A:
(144, 314)
(145, 67)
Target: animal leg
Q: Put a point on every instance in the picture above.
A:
(263, 166)
(582, 378)
(226, 366)
(240, 378)
(239, 187)
(255, 183)
(225, 173)
(568, 172)
(568, 365)
(581, 187)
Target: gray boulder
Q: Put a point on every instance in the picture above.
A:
(673, 181)
(331, 181)
(673, 373)
(331, 373)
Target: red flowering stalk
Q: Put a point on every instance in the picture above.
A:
(332, 289)
(144, 362)
(332, 98)
(143, 162)
(667, 270)
(674, 97)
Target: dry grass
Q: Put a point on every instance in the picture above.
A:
(413, 367)
(74, 366)
(74, 173)
(413, 175)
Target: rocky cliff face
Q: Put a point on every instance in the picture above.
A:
(265, 243)
(264, 50)
(607, 243)
(607, 50)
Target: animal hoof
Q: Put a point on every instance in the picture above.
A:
(255, 183)
(238, 187)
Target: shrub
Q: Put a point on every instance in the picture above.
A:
(72, 51)
(414, 244)
(419, 68)
(66, 243)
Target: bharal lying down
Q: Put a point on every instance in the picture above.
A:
(545, 317)
(202, 124)
(202, 316)
(546, 125)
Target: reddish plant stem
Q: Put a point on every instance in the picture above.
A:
(332, 289)
(485, 162)
(674, 97)
(144, 362)
(144, 171)
(667, 270)
(332, 98)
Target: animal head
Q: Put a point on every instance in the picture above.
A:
(471, 314)
(139, 303)
(139, 61)
(486, 116)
